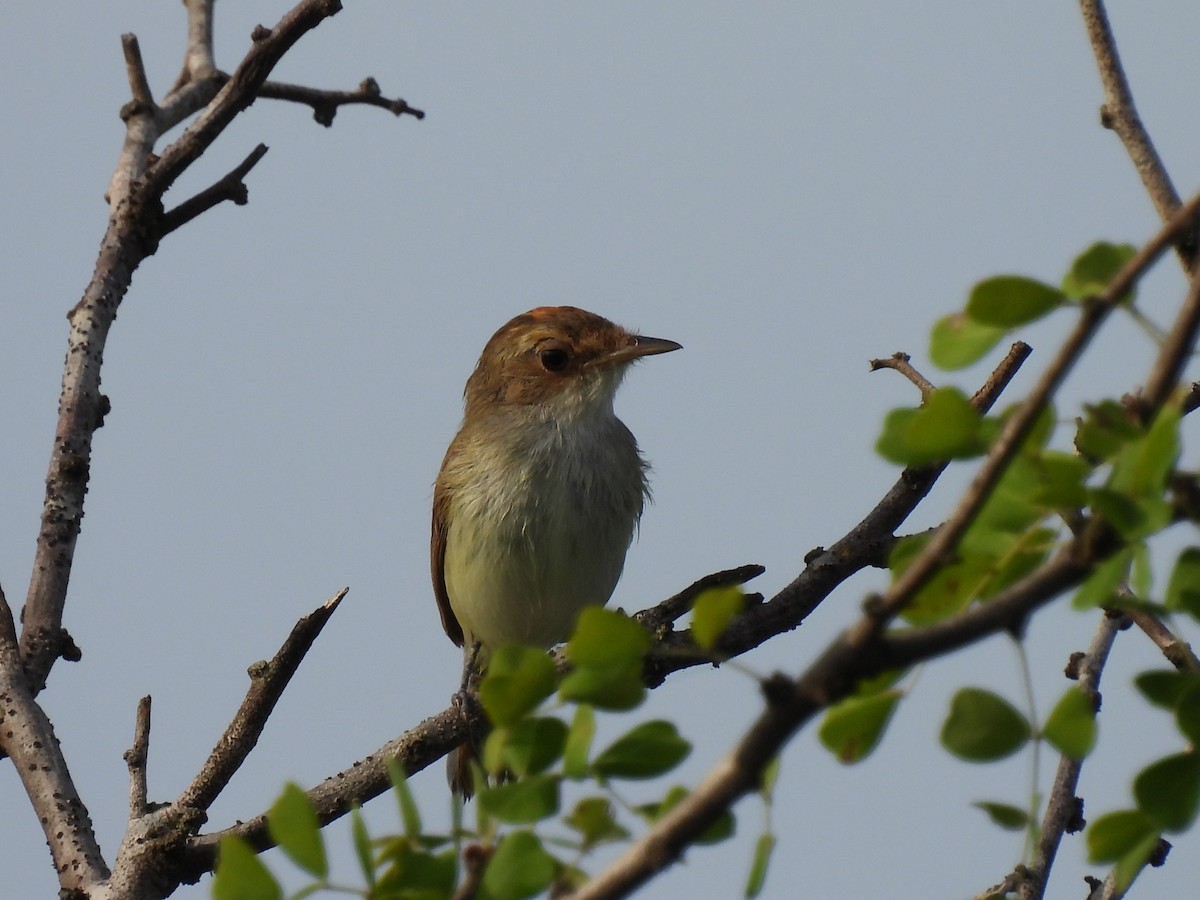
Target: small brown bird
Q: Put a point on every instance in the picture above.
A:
(541, 490)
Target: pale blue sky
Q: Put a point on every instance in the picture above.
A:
(787, 189)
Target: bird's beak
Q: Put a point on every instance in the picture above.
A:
(639, 347)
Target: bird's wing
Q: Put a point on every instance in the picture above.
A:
(437, 562)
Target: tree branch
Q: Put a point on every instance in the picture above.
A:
(1064, 810)
(231, 187)
(1178, 652)
(268, 680)
(325, 104)
(136, 223)
(28, 738)
(902, 363)
(136, 759)
(1120, 114)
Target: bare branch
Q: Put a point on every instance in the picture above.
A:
(1176, 348)
(28, 739)
(139, 87)
(136, 758)
(135, 195)
(1120, 114)
(239, 91)
(198, 60)
(325, 103)
(665, 613)
(1178, 652)
(902, 363)
(268, 680)
(231, 187)
(1064, 810)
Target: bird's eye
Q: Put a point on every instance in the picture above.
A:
(553, 359)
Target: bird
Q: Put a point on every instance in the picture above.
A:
(541, 490)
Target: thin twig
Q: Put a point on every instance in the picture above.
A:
(1120, 114)
(1178, 652)
(231, 187)
(902, 363)
(665, 613)
(1173, 356)
(135, 69)
(268, 679)
(136, 759)
(325, 103)
(1064, 810)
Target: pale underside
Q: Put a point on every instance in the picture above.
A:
(540, 532)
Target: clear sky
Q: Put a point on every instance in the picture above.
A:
(787, 189)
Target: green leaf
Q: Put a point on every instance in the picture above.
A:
(1061, 480)
(1117, 833)
(362, 845)
(604, 637)
(719, 830)
(408, 806)
(854, 727)
(1101, 586)
(712, 612)
(763, 848)
(1166, 687)
(594, 819)
(519, 868)
(522, 802)
(1095, 268)
(1008, 817)
(1168, 791)
(526, 748)
(1183, 588)
(958, 340)
(648, 750)
(1187, 714)
(1071, 725)
(1121, 511)
(579, 742)
(292, 824)
(241, 875)
(983, 726)
(606, 652)
(770, 775)
(1142, 467)
(1006, 301)
(946, 426)
(517, 680)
